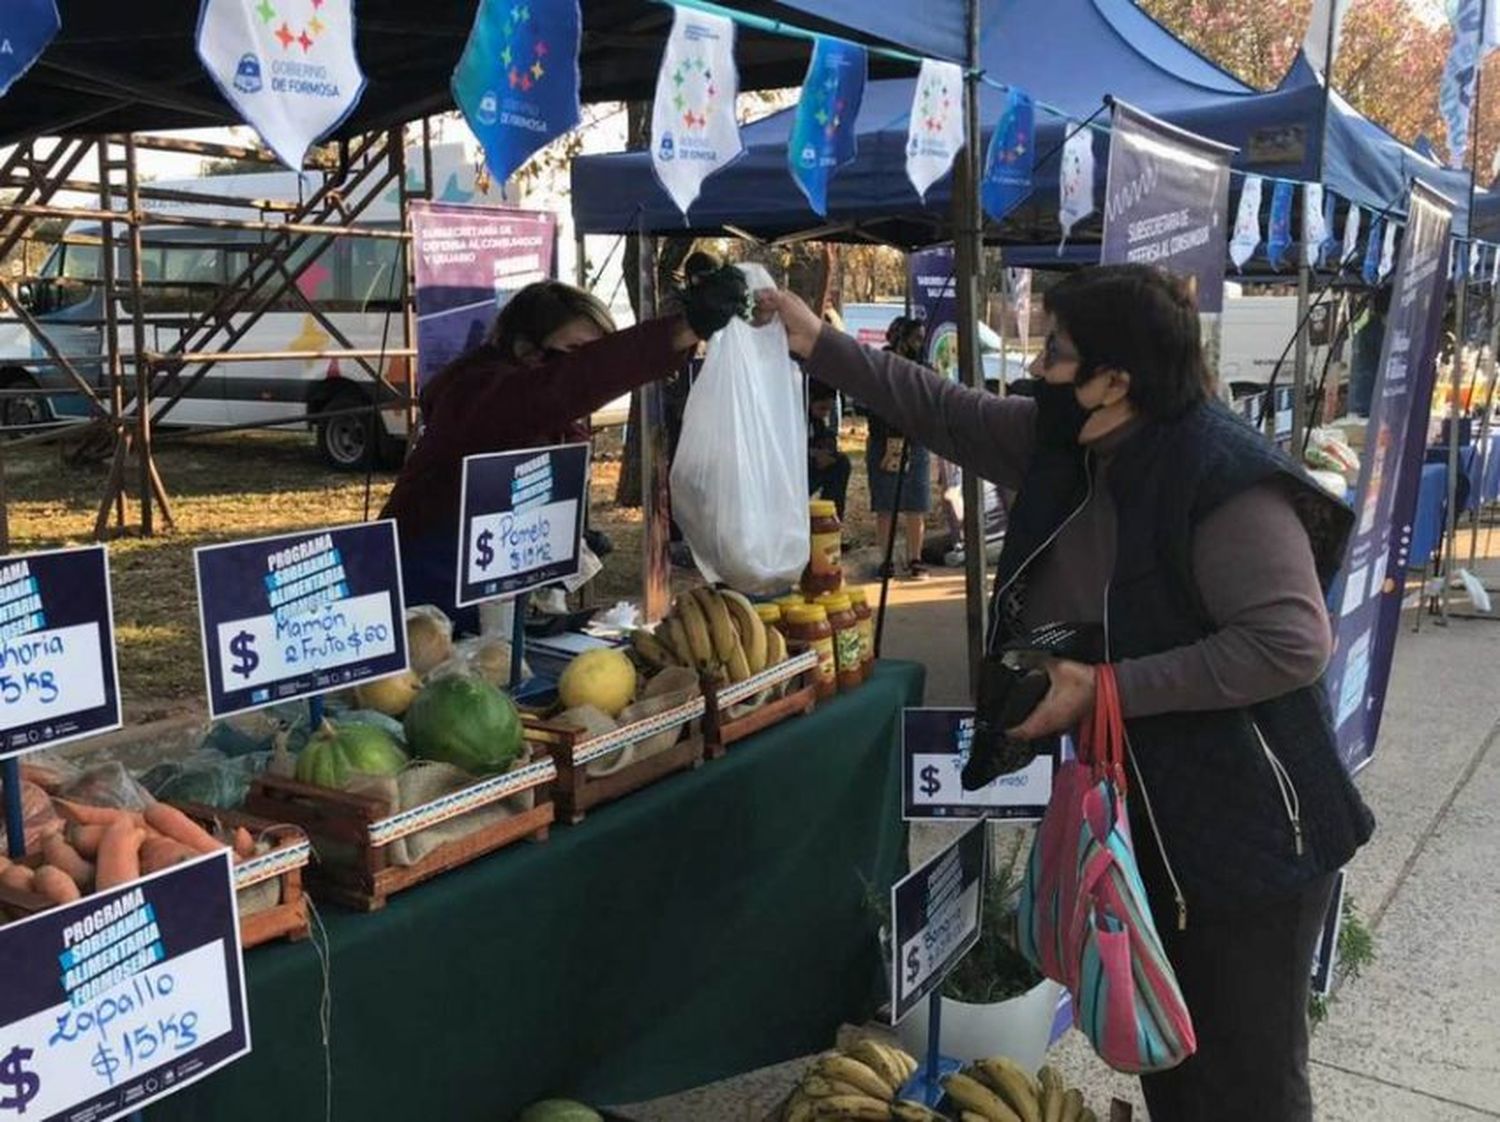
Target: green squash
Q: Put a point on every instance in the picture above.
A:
(336, 751)
(462, 720)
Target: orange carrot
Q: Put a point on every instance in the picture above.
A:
(19, 877)
(244, 844)
(179, 827)
(85, 815)
(119, 855)
(56, 885)
(86, 839)
(158, 853)
(61, 855)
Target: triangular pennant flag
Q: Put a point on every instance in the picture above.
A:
(935, 131)
(1324, 28)
(1011, 160)
(1475, 252)
(1076, 183)
(1313, 230)
(1280, 238)
(1371, 270)
(516, 83)
(1351, 237)
(823, 135)
(693, 128)
(26, 27)
(1388, 251)
(1495, 264)
(289, 69)
(1328, 252)
(1460, 72)
(1246, 237)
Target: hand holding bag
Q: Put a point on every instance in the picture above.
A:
(1084, 920)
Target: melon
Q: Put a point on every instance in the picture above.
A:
(461, 719)
(337, 751)
(603, 678)
(559, 1110)
(429, 638)
(391, 696)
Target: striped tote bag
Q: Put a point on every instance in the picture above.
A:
(1083, 919)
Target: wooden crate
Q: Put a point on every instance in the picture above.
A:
(289, 854)
(798, 677)
(286, 919)
(573, 750)
(364, 826)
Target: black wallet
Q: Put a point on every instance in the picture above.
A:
(1012, 683)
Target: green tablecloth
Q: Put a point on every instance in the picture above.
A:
(708, 925)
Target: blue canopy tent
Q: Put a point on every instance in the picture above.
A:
(1068, 54)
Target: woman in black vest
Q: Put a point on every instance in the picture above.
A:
(1145, 505)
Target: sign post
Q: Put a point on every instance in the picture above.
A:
(935, 746)
(118, 1000)
(297, 615)
(935, 917)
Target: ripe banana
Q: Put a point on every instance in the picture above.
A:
(816, 1086)
(696, 626)
(1052, 1103)
(852, 1107)
(907, 1111)
(652, 649)
(1088, 1116)
(846, 1069)
(738, 667)
(675, 636)
(721, 628)
(906, 1061)
(891, 1070)
(1072, 1110)
(751, 627)
(1046, 1075)
(776, 652)
(1015, 1086)
(799, 1109)
(970, 1094)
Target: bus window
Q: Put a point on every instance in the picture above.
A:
(373, 280)
(66, 278)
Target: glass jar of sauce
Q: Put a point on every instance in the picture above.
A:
(866, 620)
(825, 568)
(846, 646)
(770, 615)
(808, 625)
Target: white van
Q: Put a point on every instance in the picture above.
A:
(355, 282)
(1257, 331)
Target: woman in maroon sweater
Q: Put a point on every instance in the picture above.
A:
(552, 357)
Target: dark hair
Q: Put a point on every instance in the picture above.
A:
(1141, 320)
(699, 264)
(539, 309)
(900, 329)
(820, 391)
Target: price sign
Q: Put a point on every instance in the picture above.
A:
(120, 999)
(934, 748)
(522, 515)
(58, 676)
(936, 911)
(299, 614)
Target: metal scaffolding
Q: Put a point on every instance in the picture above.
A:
(137, 387)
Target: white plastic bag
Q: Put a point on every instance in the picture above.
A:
(739, 481)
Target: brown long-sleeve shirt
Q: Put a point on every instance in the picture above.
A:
(1252, 560)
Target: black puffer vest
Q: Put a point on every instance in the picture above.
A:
(1248, 804)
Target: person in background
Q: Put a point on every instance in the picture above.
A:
(1205, 552)
(828, 469)
(1369, 335)
(890, 494)
(552, 357)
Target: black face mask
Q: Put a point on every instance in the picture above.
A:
(1059, 415)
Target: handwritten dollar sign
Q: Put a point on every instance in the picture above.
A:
(913, 965)
(242, 646)
(486, 554)
(18, 1086)
(930, 784)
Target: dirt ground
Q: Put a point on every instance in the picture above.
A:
(237, 486)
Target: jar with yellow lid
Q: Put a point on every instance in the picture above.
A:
(770, 615)
(846, 652)
(790, 601)
(860, 601)
(807, 625)
(825, 568)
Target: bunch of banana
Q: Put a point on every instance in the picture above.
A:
(861, 1083)
(1000, 1090)
(715, 632)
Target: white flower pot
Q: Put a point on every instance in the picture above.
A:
(1020, 1028)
